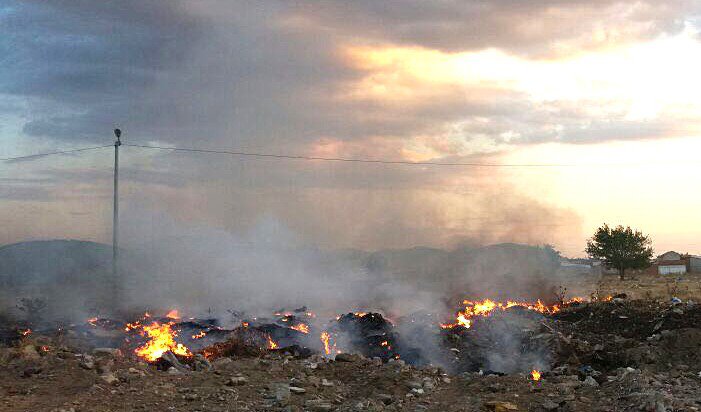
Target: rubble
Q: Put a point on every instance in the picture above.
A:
(601, 356)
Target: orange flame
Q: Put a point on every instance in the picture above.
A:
(271, 343)
(93, 321)
(26, 332)
(488, 306)
(136, 324)
(325, 337)
(199, 335)
(162, 339)
(132, 326)
(284, 314)
(301, 328)
(173, 314)
(535, 375)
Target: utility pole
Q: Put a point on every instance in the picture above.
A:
(115, 221)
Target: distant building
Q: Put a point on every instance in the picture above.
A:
(694, 264)
(674, 263)
(575, 266)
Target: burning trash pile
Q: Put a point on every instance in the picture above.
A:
(607, 352)
(487, 335)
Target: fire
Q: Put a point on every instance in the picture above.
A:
(136, 324)
(93, 321)
(173, 314)
(271, 343)
(284, 314)
(26, 332)
(487, 307)
(301, 328)
(162, 339)
(132, 326)
(535, 375)
(199, 335)
(325, 338)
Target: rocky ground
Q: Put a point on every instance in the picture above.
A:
(606, 356)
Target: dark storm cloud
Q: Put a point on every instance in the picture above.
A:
(162, 71)
(85, 64)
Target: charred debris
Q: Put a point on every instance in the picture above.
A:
(500, 338)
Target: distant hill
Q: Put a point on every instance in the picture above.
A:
(75, 277)
(70, 275)
(505, 270)
(53, 261)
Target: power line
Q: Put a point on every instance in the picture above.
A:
(344, 159)
(313, 158)
(84, 149)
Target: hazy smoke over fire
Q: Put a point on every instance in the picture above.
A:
(269, 266)
(214, 273)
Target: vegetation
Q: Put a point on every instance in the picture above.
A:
(620, 248)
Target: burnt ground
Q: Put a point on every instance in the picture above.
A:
(606, 356)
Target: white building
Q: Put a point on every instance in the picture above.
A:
(671, 263)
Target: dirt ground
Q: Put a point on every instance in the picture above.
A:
(646, 286)
(639, 353)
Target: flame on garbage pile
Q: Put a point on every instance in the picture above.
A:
(535, 375)
(326, 340)
(199, 335)
(26, 332)
(161, 339)
(132, 326)
(487, 306)
(271, 343)
(173, 314)
(136, 324)
(302, 327)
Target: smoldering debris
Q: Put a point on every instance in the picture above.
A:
(600, 345)
(509, 341)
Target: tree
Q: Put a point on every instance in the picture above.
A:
(620, 248)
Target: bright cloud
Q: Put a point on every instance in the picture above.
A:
(635, 82)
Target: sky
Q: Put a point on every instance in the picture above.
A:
(593, 104)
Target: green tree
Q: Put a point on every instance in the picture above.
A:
(621, 248)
